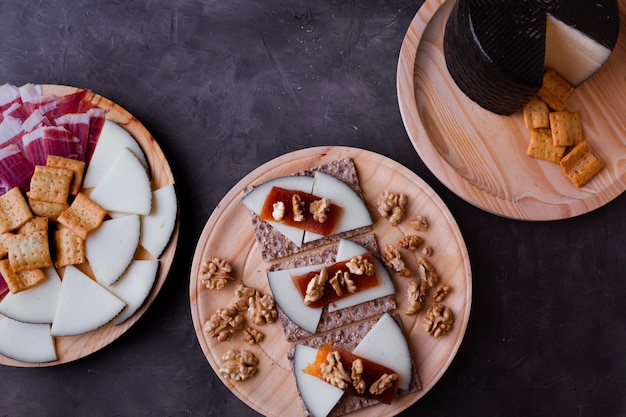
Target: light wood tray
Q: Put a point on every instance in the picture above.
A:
(229, 234)
(481, 156)
(76, 347)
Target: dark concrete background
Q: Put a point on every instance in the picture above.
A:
(225, 86)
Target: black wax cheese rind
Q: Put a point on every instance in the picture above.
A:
(495, 50)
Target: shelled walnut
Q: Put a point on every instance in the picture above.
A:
(342, 281)
(416, 294)
(383, 383)
(359, 266)
(297, 206)
(393, 260)
(438, 320)
(319, 209)
(419, 223)
(315, 287)
(216, 273)
(392, 206)
(441, 292)
(224, 322)
(427, 272)
(239, 365)
(261, 307)
(333, 371)
(356, 374)
(252, 336)
(410, 242)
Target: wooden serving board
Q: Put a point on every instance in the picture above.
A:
(70, 348)
(229, 235)
(481, 156)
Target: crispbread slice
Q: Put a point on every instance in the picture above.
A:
(20, 281)
(50, 184)
(580, 165)
(83, 216)
(14, 210)
(77, 167)
(332, 320)
(30, 251)
(348, 338)
(273, 245)
(69, 248)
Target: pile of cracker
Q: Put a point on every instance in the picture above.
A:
(48, 226)
(556, 134)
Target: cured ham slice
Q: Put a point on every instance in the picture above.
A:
(10, 132)
(15, 169)
(79, 124)
(71, 103)
(4, 288)
(51, 140)
(96, 124)
(9, 94)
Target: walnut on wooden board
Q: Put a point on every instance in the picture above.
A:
(392, 206)
(427, 272)
(438, 320)
(238, 365)
(315, 287)
(341, 281)
(224, 322)
(297, 206)
(410, 242)
(419, 223)
(356, 374)
(441, 292)
(252, 336)
(261, 307)
(319, 210)
(216, 273)
(383, 383)
(393, 260)
(427, 250)
(333, 371)
(360, 266)
(416, 294)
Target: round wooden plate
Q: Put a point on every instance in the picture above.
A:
(229, 235)
(481, 156)
(70, 348)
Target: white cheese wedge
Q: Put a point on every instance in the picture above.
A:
(255, 200)
(346, 250)
(113, 139)
(125, 187)
(157, 228)
(112, 246)
(354, 214)
(84, 305)
(386, 345)
(26, 342)
(134, 286)
(571, 53)
(320, 397)
(35, 305)
(289, 299)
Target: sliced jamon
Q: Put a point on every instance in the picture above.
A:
(4, 288)
(77, 123)
(51, 140)
(71, 103)
(10, 132)
(15, 169)
(35, 120)
(95, 128)
(9, 94)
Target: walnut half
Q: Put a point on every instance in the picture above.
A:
(315, 287)
(216, 273)
(393, 260)
(261, 307)
(383, 383)
(392, 206)
(224, 322)
(319, 209)
(239, 365)
(333, 371)
(359, 266)
(438, 320)
(416, 294)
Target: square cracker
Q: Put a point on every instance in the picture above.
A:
(4, 243)
(536, 114)
(50, 184)
(566, 128)
(541, 146)
(14, 210)
(36, 224)
(69, 248)
(20, 281)
(30, 251)
(580, 165)
(83, 216)
(77, 168)
(555, 90)
(47, 209)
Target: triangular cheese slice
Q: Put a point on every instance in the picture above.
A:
(35, 305)
(111, 247)
(84, 305)
(125, 187)
(26, 342)
(157, 228)
(134, 286)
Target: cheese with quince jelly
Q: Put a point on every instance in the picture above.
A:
(497, 52)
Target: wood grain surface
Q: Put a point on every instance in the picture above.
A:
(228, 234)
(70, 348)
(481, 156)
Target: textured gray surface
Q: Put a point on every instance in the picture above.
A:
(226, 86)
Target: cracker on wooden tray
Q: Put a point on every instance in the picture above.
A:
(555, 90)
(14, 210)
(69, 248)
(566, 128)
(77, 167)
(50, 184)
(29, 251)
(541, 147)
(20, 281)
(83, 216)
(580, 165)
(47, 209)
(536, 114)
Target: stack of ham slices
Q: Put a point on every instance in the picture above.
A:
(34, 125)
